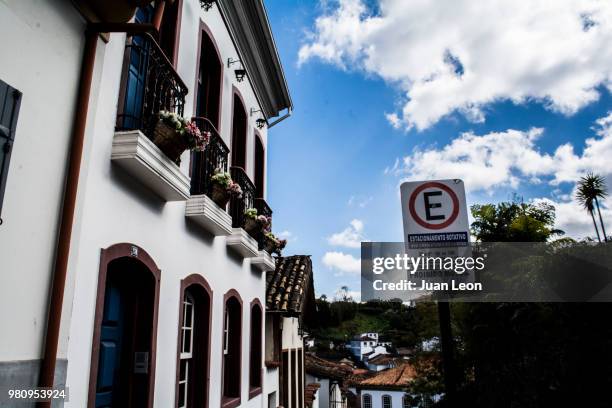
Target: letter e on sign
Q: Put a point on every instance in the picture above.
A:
(434, 207)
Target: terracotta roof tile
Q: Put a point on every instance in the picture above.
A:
(309, 393)
(325, 368)
(288, 285)
(396, 377)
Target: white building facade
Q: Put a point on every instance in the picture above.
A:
(164, 292)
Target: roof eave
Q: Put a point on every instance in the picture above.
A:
(249, 27)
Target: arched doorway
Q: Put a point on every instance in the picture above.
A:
(122, 370)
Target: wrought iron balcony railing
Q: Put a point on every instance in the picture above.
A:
(263, 208)
(204, 164)
(150, 85)
(239, 205)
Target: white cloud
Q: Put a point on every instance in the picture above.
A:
(507, 159)
(343, 263)
(460, 56)
(576, 222)
(350, 237)
(393, 120)
(288, 235)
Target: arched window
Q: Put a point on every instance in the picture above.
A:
(194, 340)
(208, 86)
(239, 133)
(367, 401)
(232, 336)
(386, 401)
(255, 366)
(260, 160)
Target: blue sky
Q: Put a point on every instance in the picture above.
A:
(362, 122)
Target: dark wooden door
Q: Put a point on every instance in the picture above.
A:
(111, 337)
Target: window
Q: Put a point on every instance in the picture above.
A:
(367, 401)
(208, 87)
(194, 340)
(386, 401)
(259, 167)
(186, 349)
(10, 99)
(255, 355)
(231, 349)
(169, 29)
(239, 133)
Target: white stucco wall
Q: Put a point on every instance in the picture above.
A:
(396, 397)
(114, 208)
(41, 44)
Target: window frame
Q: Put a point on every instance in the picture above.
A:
(367, 404)
(228, 401)
(256, 340)
(195, 288)
(383, 397)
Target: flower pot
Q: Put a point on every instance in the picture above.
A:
(169, 141)
(269, 245)
(251, 226)
(219, 195)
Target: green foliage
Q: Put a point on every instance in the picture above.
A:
(514, 222)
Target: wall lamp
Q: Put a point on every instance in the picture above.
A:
(261, 122)
(206, 4)
(240, 72)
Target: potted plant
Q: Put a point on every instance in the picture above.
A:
(273, 245)
(251, 224)
(174, 134)
(223, 188)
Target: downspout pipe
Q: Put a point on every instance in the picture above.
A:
(58, 284)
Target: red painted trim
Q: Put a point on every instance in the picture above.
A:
(231, 402)
(254, 391)
(235, 92)
(194, 280)
(263, 164)
(123, 250)
(204, 29)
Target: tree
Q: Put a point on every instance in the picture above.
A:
(514, 221)
(591, 188)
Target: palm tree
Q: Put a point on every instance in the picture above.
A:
(591, 188)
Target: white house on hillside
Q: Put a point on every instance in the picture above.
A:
(367, 344)
(125, 274)
(391, 389)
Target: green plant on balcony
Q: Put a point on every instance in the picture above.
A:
(224, 188)
(255, 224)
(174, 134)
(273, 244)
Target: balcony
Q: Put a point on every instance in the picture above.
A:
(150, 84)
(205, 163)
(200, 207)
